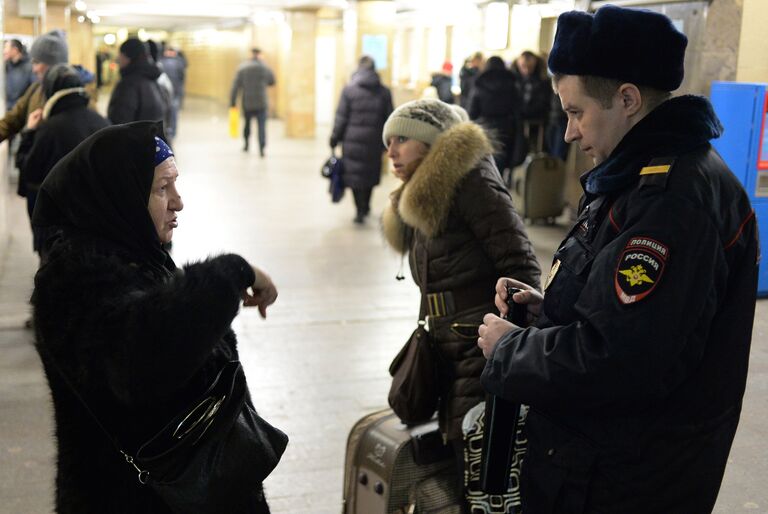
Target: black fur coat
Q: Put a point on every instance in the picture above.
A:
(139, 343)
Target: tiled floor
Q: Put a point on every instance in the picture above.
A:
(319, 361)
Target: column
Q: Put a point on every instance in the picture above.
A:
(300, 74)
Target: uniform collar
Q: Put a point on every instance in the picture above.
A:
(675, 127)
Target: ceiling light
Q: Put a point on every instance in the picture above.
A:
(80, 5)
(110, 39)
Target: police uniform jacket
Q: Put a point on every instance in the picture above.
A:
(636, 369)
(455, 219)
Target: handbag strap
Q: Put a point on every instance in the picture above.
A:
(424, 271)
(143, 474)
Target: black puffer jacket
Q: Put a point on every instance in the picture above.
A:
(495, 104)
(364, 106)
(138, 96)
(456, 213)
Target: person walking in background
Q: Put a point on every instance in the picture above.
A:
(137, 96)
(495, 104)
(535, 91)
(363, 108)
(65, 122)
(467, 76)
(252, 78)
(636, 367)
(166, 87)
(18, 72)
(554, 140)
(443, 82)
(175, 68)
(46, 51)
(455, 220)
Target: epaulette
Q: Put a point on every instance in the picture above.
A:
(656, 172)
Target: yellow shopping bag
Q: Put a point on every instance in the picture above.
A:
(234, 122)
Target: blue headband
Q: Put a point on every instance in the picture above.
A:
(162, 151)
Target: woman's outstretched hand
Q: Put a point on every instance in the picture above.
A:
(262, 294)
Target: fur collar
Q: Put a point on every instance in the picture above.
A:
(425, 200)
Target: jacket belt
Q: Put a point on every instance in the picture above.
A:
(446, 303)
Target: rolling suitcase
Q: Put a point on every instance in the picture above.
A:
(391, 468)
(538, 185)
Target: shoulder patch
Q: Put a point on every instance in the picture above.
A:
(640, 268)
(650, 170)
(656, 172)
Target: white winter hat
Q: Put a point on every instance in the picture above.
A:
(423, 120)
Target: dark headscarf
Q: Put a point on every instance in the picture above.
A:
(101, 190)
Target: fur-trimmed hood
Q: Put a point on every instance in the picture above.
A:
(424, 202)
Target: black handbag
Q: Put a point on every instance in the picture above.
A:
(213, 456)
(414, 393)
(333, 169)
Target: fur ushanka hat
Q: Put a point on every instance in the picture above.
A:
(632, 45)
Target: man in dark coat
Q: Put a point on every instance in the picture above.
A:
(364, 106)
(253, 77)
(495, 104)
(18, 72)
(137, 96)
(66, 122)
(636, 368)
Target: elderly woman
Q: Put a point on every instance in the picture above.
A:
(127, 339)
(454, 218)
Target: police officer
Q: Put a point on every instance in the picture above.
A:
(636, 366)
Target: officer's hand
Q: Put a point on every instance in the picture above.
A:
(490, 332)
(528, 295)
(263, 292)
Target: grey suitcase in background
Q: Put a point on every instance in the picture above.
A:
(391, 468)
(538, 187)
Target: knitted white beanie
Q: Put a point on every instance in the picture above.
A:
(422, 120)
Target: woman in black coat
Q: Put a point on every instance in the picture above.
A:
(495, 104)
(363, 108)
(138, 338)
(66, 121)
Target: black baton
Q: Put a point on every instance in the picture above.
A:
(500, 428)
